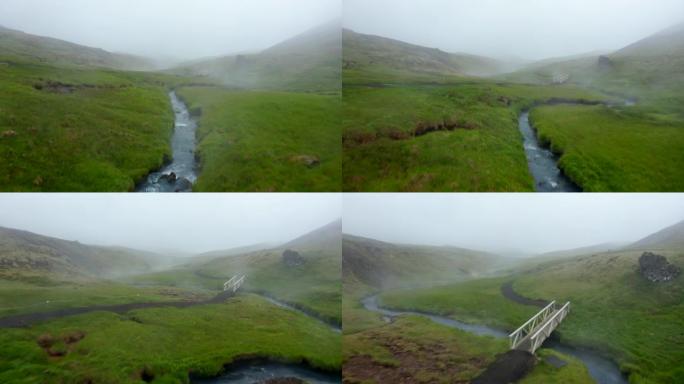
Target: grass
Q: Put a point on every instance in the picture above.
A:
(574, 372)
(313, 286)
(23, 297)
(166, 343)
(416, 350)
(614, 149)
(104, 135)
(261, 141)
(482, 152)
(615, 311)
(618, 312)
(475, 301)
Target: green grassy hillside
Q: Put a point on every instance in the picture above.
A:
(458, 137)
(314, 285)
(368, 58)
(614, 149)
(143, 345)
(52, 51)
(66, 129)
(615, 310)
(384, 265)
(307, 62)
(266, 141)
(24, 254)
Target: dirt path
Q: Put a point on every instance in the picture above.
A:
(18, 321)
(508, 292)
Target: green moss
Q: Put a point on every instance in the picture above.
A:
(104, 135)
(168, 343)
(614, 149)
(259, 140)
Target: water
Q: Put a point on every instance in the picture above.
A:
(602, 370)
(290, 307)
(542, 162)
(257, 372)
(181, 173)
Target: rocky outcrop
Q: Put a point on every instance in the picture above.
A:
(292, 258)
(508, 367)
(656, 268)
(605, 63)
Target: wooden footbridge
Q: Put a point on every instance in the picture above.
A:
(234, 283)
(532, 334)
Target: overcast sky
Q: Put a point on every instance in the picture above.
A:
(532, 223)
(529, 29)
(169, 28)
(171, 222)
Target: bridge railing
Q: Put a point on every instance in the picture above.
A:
(530, 325)
(549, 326)
(234, 283)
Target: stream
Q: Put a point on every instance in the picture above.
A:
(542, 162)
(256, 371)
(181, 173)
(602, 370)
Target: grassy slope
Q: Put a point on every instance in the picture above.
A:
(416, 348)
(617, 311)
(313, 286)
(34, 295)
(381, 154)
(251, 140)
(614, 149)
(463, 302)
(614, 310)
(93, 139)
(210, 336)
(307, 62)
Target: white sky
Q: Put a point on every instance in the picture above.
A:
(529, 29)
(169, 28)
(533, 223)
(182, 222)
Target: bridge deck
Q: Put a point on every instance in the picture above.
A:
(532, 334)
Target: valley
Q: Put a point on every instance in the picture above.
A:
(619, 325)
(395, 93)
(81, 119)
(71, 312)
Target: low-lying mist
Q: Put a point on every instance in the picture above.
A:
(510, 224)
(169, 31)
(174, 225)
(519, 31)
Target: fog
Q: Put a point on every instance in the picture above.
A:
(523, 29)
(171, 222)
(169, 29)
(510, 223)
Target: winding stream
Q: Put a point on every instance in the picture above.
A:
(602, 370)
(258, 371)
(542, 162)
(181, 173)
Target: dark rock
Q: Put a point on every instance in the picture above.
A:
(183, 185)
(508, 367)
(292, 258)
(169, 178)
(604, 62)
(656, 268)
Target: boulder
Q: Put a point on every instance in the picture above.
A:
(292, 258)
(604, 62)
(656, 268)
